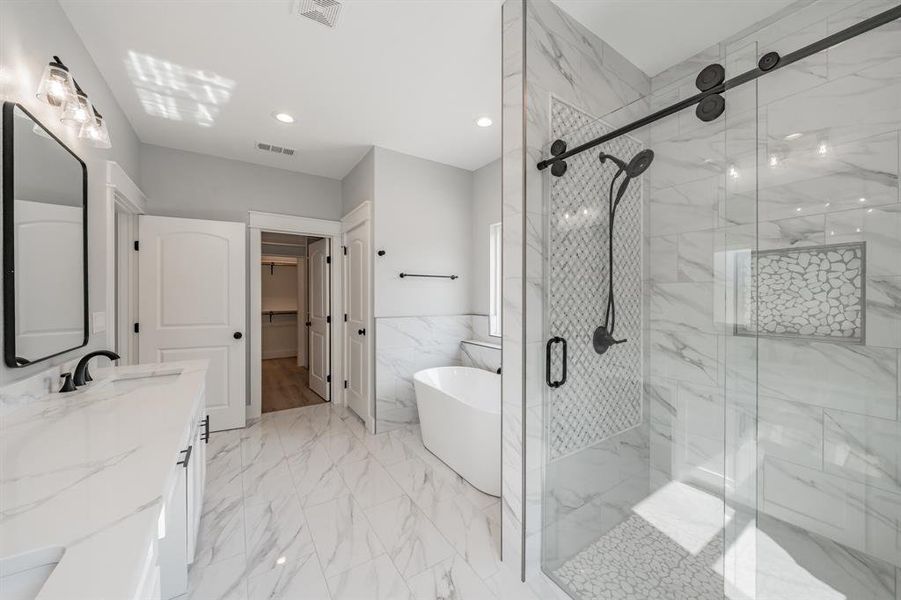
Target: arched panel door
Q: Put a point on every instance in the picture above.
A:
(192, 305)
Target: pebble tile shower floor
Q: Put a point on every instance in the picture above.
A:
(304, 504)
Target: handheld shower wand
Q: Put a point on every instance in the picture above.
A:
(603, 338)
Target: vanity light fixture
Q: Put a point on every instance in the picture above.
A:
(484, 122)
(56, 84)
(59, 89)
(283, 117)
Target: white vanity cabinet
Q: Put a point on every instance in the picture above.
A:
(196, 478)
(182, 509)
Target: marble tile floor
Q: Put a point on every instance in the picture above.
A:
(304, 504)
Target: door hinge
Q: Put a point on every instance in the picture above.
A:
(345, 384)
(345, 250)
(345, 317)
(137, 245)
(328, 319)
(328, 260)
(137, 328)
(328, 379)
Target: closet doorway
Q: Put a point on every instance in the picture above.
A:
(291, 296)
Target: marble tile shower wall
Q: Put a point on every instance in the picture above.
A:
(546, 53)
(405, 345)
(808, 158)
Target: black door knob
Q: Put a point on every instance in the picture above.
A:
(361, 332)
(238, 335)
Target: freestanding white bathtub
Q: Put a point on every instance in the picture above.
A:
(460, 417)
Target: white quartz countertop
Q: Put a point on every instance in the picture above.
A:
(87, 471)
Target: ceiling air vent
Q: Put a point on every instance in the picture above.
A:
(274, 149)
(321, 11)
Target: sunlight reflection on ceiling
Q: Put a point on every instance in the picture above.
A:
(175, 92)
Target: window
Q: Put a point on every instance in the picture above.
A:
(496, 280)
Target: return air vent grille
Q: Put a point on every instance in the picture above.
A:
(275, 149)
(321, 11)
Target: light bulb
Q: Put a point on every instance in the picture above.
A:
(94, 130)
(56, 84)
(76, 109)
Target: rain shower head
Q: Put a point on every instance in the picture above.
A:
(635, 167)
(640, 163)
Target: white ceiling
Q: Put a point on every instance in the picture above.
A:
(408, 75)
(657, 34)
(411, 76)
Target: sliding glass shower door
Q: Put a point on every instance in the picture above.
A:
(743, 441)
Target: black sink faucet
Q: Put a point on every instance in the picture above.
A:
(82, 376)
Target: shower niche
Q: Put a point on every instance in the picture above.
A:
(814, 292)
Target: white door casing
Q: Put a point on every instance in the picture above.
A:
(302, 344)
(192, 305)
(357, 331)
(319, 307)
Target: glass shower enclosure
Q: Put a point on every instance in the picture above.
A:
(743, 440)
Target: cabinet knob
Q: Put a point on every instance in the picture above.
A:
(361, 332)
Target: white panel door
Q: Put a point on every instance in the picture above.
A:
(356, 332)
(192, 305)
(319, 317)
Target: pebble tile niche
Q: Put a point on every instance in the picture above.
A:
(813, 293)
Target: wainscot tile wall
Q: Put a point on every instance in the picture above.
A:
(405, 345)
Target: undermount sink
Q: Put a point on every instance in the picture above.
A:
(22, 576)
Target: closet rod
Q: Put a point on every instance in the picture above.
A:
(272, 266)
(278, 312)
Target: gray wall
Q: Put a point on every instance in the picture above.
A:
(358, 186)
(30, 33)
(186, 184)
(486, 210)
(423, 222)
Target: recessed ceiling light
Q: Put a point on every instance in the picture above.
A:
(283, 117)
(793, 136)
(484, 122)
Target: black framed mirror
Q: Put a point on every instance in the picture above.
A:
(45, 242)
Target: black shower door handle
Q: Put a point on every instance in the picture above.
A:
(550, 344)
